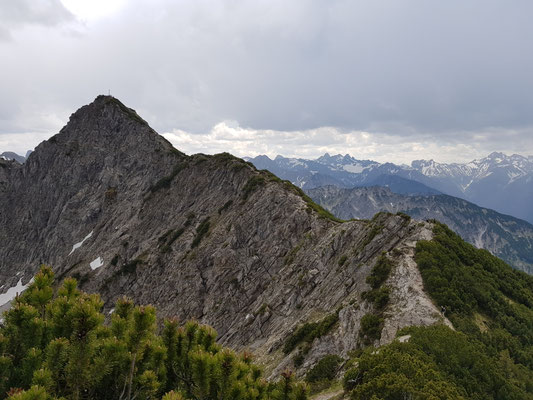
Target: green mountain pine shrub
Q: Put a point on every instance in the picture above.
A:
(57, 346)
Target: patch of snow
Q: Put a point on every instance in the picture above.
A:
(404, 338)
(13, 291)
(354, 168)
(513, 176)
(111, 311)
(295, 162)
(96, 263)
(78, 245)
(427, 170)
(464, 187)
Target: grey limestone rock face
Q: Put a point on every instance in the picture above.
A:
(112, 203)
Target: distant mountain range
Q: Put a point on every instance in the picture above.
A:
(9, 155)
(503, 183)
(507, 237)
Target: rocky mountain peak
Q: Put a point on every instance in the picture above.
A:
(262, 157)
(103, 141)
(105, 116)
(10, 155)
(113, 204)
(337, 159)
(496, 156)
(422, 163)
(103, 104)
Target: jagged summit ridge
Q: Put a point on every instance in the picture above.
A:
(104, 128)
(113, 204)
(104, 141)
(106, 114)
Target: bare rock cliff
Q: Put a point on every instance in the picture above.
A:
(112, 203)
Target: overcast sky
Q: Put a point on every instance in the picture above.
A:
(384, 80)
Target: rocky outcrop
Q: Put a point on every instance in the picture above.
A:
(506, 237)
(9, 155)
(112, 203)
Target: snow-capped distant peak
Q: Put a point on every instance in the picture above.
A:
(496, 156)
(515, 166)
(294, 161)
(336, 159)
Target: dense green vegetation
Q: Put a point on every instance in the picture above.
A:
(436, 363)
(131, 266)
(226, 205)
(324, 372)
(342, 260)
(372, 323)
(371, 326)
(56, 345)
(303, 337)
(253, 183)
(405, 216)
(378, 297)
(325, 369)
(380, 272)
(398, 371)
(473, 285)
(169, 238)
(310, 331)
(201, 231)
(165, 182)
(490, 356)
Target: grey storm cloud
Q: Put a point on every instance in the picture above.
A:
(16, 13)
(445, 72)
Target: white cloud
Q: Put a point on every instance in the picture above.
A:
(230, 137)
(15, 15)
(20, 143)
